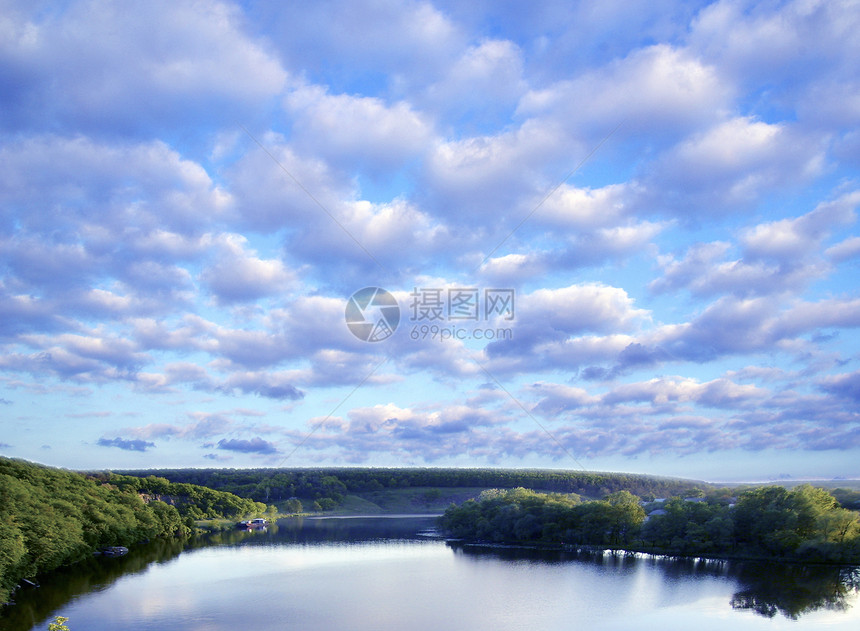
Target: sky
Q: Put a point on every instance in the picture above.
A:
(614, 236)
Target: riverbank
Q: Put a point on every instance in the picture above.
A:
(590, 550)
(803, 525)
(332, 572)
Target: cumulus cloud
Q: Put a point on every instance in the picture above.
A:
(469, 179)
(399, 43)
(578, 308)
(90, 260)
(96, 66)
(355, 129)
(845, 250)
(787, 240)
(669, 188)
(586, 208)
(77, 357)
(719, 393)
(549, 319)
(804, 41)
(446, 432)
(237, 275)
(776, 256)
(732, 164)
(271, 385)
(845, 385)
(205, 426)
(485, 82)
(674, 91)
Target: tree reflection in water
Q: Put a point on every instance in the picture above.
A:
(795, 590)
(33, 607)
(767, 588)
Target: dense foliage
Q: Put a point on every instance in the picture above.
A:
(332, 484)
(847, 498)
(51, 517)
(805, 523)
(524, 515)
(191, 500)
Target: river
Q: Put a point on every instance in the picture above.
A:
(390, 573)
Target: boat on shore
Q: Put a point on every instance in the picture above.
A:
(253, 524)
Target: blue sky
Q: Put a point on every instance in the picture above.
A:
(666, 192)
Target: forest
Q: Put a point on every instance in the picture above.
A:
(191, 500)
(52, 517)
(329, 486)
(804, 523)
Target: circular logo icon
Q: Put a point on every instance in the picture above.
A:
(372, 314)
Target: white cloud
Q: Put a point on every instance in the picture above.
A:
(513, 269)
(93, 64)
(237, 275)
(789, 239)
(149, 246)
(733, 163)
(566, 329)
(348, 129)
(655, 89)
(396, 234)
(719, 393)
(586, 208)
(804, 39)
(778, 256)
(107, 191)
(580, 308)
(844, 250)
(405, 44)
(474, 177)
(388, 428)
(82, 358)
(485, 82)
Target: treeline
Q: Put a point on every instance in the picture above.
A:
(805, 523)
(847, 498)
(330, 485)
(51, 517)
(523, 515)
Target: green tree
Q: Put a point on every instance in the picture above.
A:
(839, 525)
(765, 518)
(69, 515)
(626, 516)
(810, 504)
(59, 624)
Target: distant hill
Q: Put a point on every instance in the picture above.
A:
(420, 488)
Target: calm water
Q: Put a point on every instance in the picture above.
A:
(385, 573)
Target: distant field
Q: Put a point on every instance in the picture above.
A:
(406, 500)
